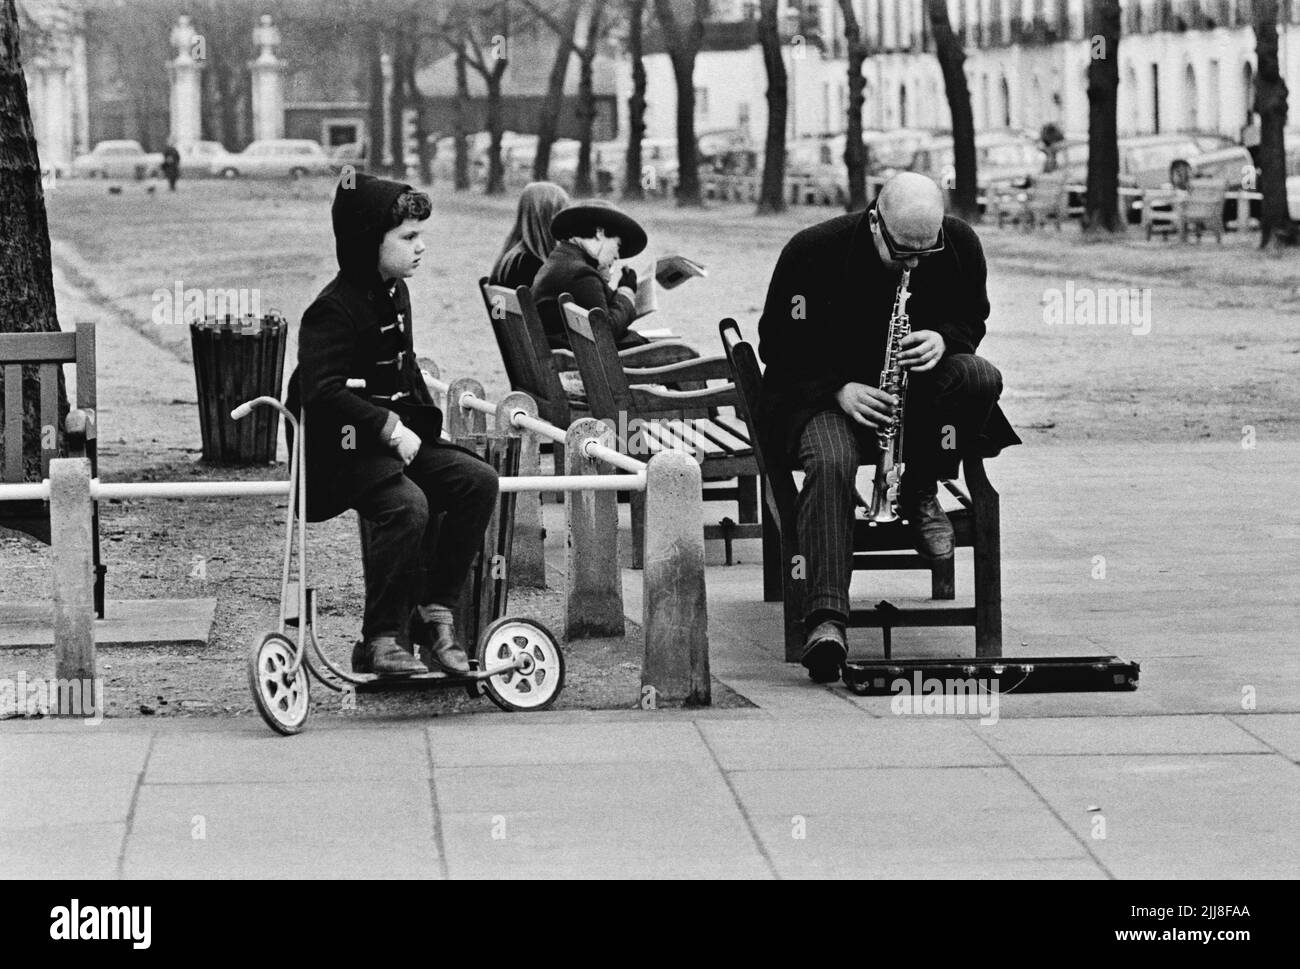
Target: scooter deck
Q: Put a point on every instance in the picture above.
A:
(374, 683)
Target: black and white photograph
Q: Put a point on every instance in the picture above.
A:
(747, 440)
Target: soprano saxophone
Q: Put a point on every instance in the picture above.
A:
(893, 380)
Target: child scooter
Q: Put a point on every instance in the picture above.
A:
(516, 662)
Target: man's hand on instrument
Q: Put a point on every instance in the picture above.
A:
(922, 349)
(866, 405)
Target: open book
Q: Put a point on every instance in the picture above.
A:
(666, 272)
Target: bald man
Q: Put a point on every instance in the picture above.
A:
(822, 337)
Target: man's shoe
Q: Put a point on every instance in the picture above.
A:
(383, 656)
(825, 653)
(931, 529)
(436, 641)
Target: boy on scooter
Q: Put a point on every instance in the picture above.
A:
(378, 450)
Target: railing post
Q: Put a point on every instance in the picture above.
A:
(528, 562)
(593, 582)
(676, 668)
(71, 542)
(461, 420)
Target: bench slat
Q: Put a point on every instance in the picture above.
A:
(13, 469)
(49, 415)
(735, 426)
(38, 347)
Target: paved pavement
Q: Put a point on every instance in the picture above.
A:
(1197, 774)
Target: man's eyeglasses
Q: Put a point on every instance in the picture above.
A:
(900, 253)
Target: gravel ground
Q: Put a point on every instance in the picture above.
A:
(1220, 355)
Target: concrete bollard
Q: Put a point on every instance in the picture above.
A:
(527, 560)
(676, 668)
(593, 582)
(71, 543)
(460, 421)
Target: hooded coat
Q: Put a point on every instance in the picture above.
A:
(359, 326)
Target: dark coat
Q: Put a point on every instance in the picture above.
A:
(356, 328)
(516, 267)
(827, 312)
(570, 270)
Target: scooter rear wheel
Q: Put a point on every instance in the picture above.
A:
(283, 703)
(537, 685)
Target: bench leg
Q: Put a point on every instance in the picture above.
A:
(747, 497)
(943, 578)
(988, 561)
(773, 567)
(637, 500)
(100, 571)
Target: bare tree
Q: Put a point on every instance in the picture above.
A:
(26, 277)
(683, 43)
(1101, 214)
(565, 27)
(855, 151)
(951, 58)
(632, 184)
(1275, 228)
(772, 195)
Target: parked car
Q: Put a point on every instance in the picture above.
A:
(197, 157)
(274, 157)
(352, 154)
(118, 159)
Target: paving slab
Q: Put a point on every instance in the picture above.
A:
(256, 755)
(76, 852)
(84, 752)
(527, 743)
(297, 829)
(1177, 816)
(1281, 731)
(184, 623)
(38, 802)
(1122, 735)
(582, 790)
(844, 743)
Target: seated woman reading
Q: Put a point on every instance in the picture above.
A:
(530, 241)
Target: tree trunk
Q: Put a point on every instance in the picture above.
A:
(462, 118)
(26, 276)
(682, 48)
(633, 188)
(423, 152)
(374, 54)
(772, 196)
(496, 184)
(855, 151)
(951, 59)
(1275, 228)
(587, 102)
(548, 119)
(397, 100)
(1102, 212)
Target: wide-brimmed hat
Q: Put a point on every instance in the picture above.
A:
(583, 218)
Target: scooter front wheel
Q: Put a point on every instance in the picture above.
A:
(282, 701)
(539, 680)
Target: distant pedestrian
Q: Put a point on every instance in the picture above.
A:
(530, 241)
(171, 166)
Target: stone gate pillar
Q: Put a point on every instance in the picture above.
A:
(267, 82)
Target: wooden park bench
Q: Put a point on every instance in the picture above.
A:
(975, 524)
(550, 376)
(703, 422)
(48, 352)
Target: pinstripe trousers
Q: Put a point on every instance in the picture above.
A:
(944, 412)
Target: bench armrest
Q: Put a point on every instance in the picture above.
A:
(650, 401)
(700, 368)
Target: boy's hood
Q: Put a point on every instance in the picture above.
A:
(360, 216)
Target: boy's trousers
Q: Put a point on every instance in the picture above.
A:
(410, 558)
